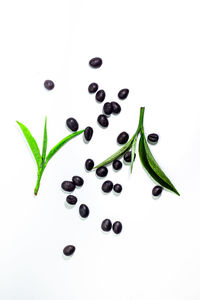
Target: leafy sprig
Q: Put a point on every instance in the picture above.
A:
(146, 157)
(42, 160)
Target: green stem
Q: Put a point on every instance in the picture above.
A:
(141, 119)
(140, 125)
(40, 172)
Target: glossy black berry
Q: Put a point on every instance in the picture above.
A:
(89, 164)
(107, 108)
(77, 180)
(116, 108)
(49, 84)
(117, 188)
(122, 138)
(93, 87)
(72, 124)
(153, 138)
(117, 227)
(84, 211)
(95, 62)
(68, 186)
(123, 94)
(102, 171)
(157, 190)
(117, 165)
(100, 95)
(88, 133)
(107, 186)
(103, 120)
(71, 199)
(106, 225)
(127, 156)
(69, 250)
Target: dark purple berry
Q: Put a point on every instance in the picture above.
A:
(123, 94)
(71, 199)
(107, 186)
(95, 62)
(157, 190)
(102, 171)
(68, 186)
(49, 85)
(88, 133)
(152, 138)
(69, 250)
(127, 156)
(106, 225)
(89, 164)
(117, 227)
(122, 138)
(117, 165)
(116, 108)
(72, 124)
(103, 120)
(107, 108)
(84, 211)
(117, 188)
(77, 180)
(100, 95)
(93, 87)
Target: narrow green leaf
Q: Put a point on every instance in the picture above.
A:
(44, 148)
(120, 152)
(133, 152)
(60, 144)
(152, 166)
(32, 144)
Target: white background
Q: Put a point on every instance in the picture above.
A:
(151, 47)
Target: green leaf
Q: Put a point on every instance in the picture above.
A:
(60, 144)
(120, 152)
(133, 152)
(32, 144)
(44, 148)
(152, 166)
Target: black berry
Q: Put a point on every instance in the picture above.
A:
(72, 124)
(117, 188)
(127, 156)
(102, 171)
(49, 84)
(68, 186)
(69, 250)
(95, 62)
(152, 138)
(107, 186)
(100, 95)
(116, 108)
(117, 165)
(89, 164)
(103, 120)
(93, 87)
(107, 108)
(88, 133)
(122, 138)
(71, 199)
(84, 211)
(117, 227)
(106, 225)
(77, 180)
(123, 94)
(157, 190)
